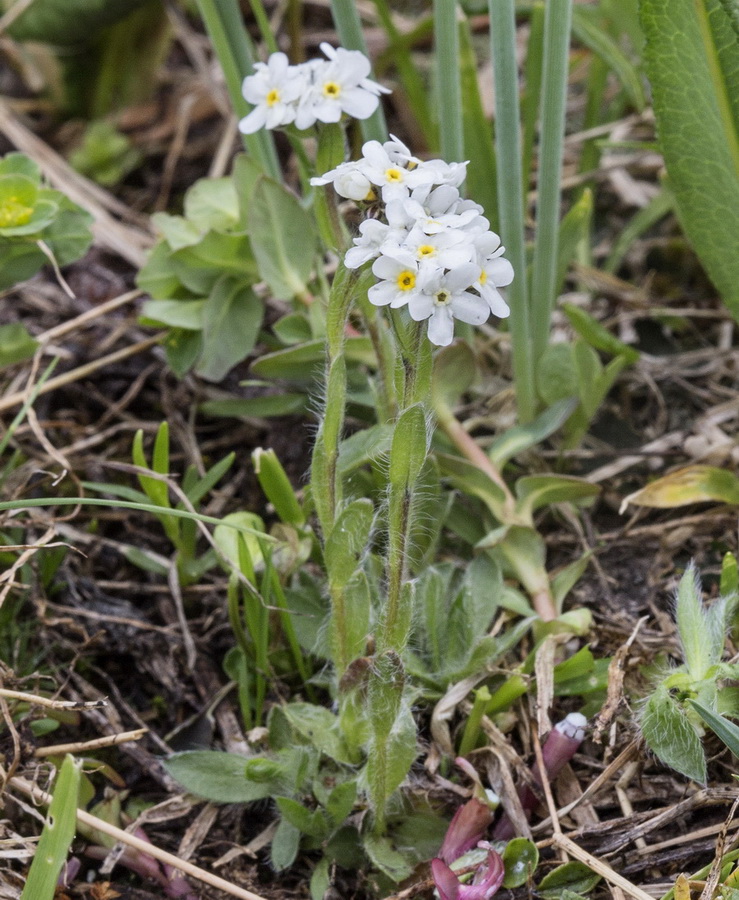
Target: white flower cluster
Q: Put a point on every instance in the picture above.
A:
(319, 90)
(434, 251)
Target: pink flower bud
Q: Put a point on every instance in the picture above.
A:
(558, 749)
(468, 826)
(485, 882)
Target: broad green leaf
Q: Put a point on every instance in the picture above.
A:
(363, 447)
(520, 859)
(18, 262)
(212, 204)
(348, 542)
(671, 737)
(319, 726)
(307, 361)
(69, 236)
(723, 728)
(556, 376)
(692, 60)
(228, 540)
(468, 478)
(67, 21)
(187, 314)
(283, 404)
(535, 491)
(310, 822)
(183, 348)
(692, 484)
(176, 230)
(217, 776)
(20, 164)
(285, 845)
(383, 855)
(574, 228)
(409, 447)
(232, 317)
(519, 438)
(341, 801)
(572, 876)
(158, 276)
(16, 344)
(454, 373)
(57, 835)
(283, 238)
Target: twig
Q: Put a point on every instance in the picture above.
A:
(35, 793)
(109, 740)
(52, 704)
(601, 868)
(81, 371)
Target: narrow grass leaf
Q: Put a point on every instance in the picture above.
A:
(448, 84)
(722, 727)
(57, 835)
(692, 60)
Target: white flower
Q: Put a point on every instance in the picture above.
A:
(388, 172)
(495, 272)
(348, 181)
(443, 250)
(399, 284)
(273, 90)
(444, 297)
(373, 235)
(339, 85)
(435, 209)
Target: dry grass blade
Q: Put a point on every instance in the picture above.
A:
(613, 878)
(37, 795)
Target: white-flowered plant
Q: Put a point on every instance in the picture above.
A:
(320, 90)
(433, 251)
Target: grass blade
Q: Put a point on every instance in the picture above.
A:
(554, 91)
(57, 835)
(448, 85)
(510, 196)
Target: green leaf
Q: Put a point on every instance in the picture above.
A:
(283, 238)
(69, 236)
(285, 845)
(310, 822)
(348, 542)
(471, 480)
(319, 726)
(283, 404)
(454, 373)
(187, 314)
(723, 728)
(519, 438)
(363, 447)
(520, 859)
(572, 876)
(596, 335)
(57, 835)
(176, 230)
(68, 21)
(591, 33)
(692, 484)
(18, 262)
(574, 228)
(158, 276)
(692, 60)
(556, 376)
(20, 164)
(16, 344)
(217, 776)
(305, 362)
(212, 204)
(387, 859)
(535, 491)
(671, 737)
(341, 801)
(276, 486)
(409, 447)
(232, 317)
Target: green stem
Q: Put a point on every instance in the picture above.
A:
(349, 29)
(471, 732)
(510, 197)
(557, 22)
(265, 29)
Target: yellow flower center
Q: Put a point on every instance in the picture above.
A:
(13, 213)
(426, 250)
(406, 280)
(331, 89)
(483, 276)
(394, 175)
(273, 97)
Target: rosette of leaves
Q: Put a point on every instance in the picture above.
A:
(235, 232)
(32, 216)
(670, 724)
